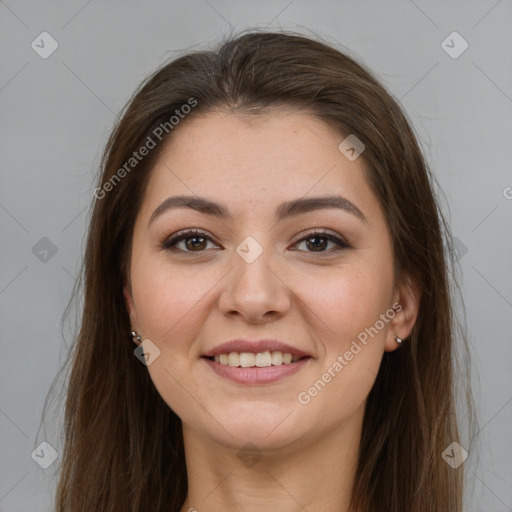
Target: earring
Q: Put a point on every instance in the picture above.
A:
(398, 340)
(135, 337)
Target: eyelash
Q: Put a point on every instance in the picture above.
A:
(169, 243)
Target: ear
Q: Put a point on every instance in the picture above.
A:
(128, 297)
(406, 305)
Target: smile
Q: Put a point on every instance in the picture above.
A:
(260, 359)
(255, 368)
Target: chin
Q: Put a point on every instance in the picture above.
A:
(265, 425)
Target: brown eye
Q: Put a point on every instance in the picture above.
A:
(193, 241)
(197, 241)
(319, 241)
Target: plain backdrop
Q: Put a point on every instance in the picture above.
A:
(57, 111)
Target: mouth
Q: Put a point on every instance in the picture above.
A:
(255, 361)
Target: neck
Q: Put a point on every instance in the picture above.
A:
(306, 475)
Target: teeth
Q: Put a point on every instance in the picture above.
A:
(234, 359)
(261, 359)
(247, 359)
(277, 358)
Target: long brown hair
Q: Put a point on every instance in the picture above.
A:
(123, 446)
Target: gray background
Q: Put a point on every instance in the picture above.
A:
(57, 112)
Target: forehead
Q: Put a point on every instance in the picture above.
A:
(247, 161)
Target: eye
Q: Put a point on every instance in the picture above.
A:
(194, 241)
(197, 241)
(318, 241)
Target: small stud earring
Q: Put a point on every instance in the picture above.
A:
(398, 339)
(135, 337)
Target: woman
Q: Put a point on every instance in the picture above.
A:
(265, 232)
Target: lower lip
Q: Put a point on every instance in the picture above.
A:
(256, 375)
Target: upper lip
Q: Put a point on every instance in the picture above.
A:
(254, 347)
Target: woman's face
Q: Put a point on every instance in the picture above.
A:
(262, 272)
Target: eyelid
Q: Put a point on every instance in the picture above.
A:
(170, 242)
(340, 244)
(332, 235)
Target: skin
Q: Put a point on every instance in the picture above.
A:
(186, 303)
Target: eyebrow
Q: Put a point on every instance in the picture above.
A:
(284, 211)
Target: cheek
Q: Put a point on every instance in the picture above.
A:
(349, 305)
(169, 296)
(349, 300)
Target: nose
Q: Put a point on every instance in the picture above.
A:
(255, 291)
